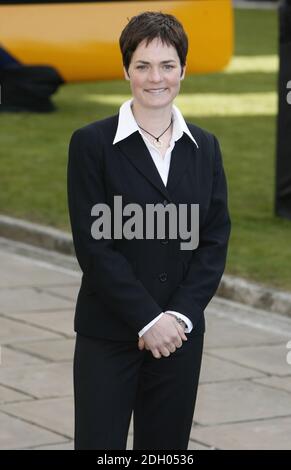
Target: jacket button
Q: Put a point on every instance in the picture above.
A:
(165, 202)
(164, 241)
(163, 277)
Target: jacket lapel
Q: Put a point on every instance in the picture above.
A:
(180, 159)
(134, 148)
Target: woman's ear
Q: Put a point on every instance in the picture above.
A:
(126, 75)
(183, 71)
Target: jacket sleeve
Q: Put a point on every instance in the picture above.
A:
(208, 259)
(110, 273)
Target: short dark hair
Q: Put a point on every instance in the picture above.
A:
(148, 26)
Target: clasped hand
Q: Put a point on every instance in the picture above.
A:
(163, 337)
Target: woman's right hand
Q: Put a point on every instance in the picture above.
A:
(163, 337)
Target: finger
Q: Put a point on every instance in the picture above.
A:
(141, 343)
(165, 351)
(156, 353)
(171, 347)
(178, 343)
(182, 332)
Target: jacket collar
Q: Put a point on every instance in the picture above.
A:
(132, 145)
(127, 124)
(138, 154)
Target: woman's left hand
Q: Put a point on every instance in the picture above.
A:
(141, 344)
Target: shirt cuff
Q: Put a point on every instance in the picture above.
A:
(147, 327)
(188, 322)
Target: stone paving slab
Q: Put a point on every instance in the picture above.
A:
(60, 321)
(215, 370)
(8, 395)
(193, 445)
(70, 445)
(281, 383)
(56, 415)
(45, 381)
(29, 299)
(240, 314)
(12, 331)
(225, 333)
(67, 292)
(270, 359)
(19, 271)
(55, 350)
(269, 434)
(15, 431)
(66, 445)
(12, 358)
(241, 400)
(244, 394)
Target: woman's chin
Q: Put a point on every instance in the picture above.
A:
(157, 101)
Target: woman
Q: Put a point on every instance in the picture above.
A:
(140, 310)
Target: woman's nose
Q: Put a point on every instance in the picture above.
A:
(155, 75)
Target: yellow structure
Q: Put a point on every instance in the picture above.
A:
(81, 39)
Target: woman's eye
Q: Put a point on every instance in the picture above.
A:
(166, 66)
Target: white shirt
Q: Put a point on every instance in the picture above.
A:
(127, 125)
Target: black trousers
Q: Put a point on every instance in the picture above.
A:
(112, 379)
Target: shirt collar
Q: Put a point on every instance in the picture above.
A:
(127, 124)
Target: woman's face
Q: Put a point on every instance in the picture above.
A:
(155, 74)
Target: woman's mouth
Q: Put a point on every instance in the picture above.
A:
(156, 91)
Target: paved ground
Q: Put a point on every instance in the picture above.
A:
(244, 399)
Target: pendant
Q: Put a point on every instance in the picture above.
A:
(158, 143)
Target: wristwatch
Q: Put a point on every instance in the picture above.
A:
(179, 320)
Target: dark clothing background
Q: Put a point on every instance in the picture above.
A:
(112, 378)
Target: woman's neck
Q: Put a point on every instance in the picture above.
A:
(153, 120)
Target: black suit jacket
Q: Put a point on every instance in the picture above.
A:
(127, 283)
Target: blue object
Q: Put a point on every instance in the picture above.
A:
(7, 59)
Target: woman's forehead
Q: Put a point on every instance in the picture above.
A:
(156, 48)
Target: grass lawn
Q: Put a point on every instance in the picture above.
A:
(238, 105)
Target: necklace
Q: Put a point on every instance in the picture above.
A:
(158, 143)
